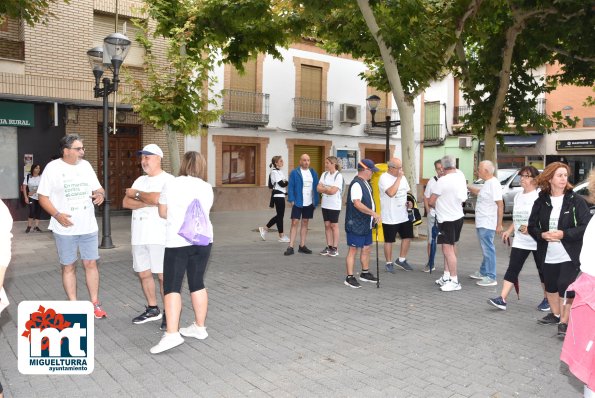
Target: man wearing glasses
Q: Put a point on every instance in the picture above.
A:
(68, 191)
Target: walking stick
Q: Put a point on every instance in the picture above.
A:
(377, 266)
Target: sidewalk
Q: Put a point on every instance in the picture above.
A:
(287, 326)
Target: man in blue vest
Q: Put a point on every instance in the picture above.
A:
(360, 217)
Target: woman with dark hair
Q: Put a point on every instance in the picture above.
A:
(523, 244)
(29, 188)
(278, 183)
(557, 222)
(182, 257)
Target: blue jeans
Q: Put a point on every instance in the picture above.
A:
(486, 241)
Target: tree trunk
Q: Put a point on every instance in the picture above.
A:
(174, 150)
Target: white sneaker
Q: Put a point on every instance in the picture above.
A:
(450, 286)
(476, 275)
(284, 239)
(487, 281)
(441, 281)
(263, 233)
(168, 341)
(198, 332)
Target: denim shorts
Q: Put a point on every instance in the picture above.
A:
(68, 247)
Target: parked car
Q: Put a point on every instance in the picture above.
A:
(510, 180)
(582, 188)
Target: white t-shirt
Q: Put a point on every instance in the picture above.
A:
(147, 228)
(523, 203)
(33, 184)
(357, 194)
(451, 190)
(69, 188)
(307, 188)
(5, 235)
(555, 250)
(177, 194)
(587, 257)
(393, 210)
(276, 177)
(332, 202)
(428, 193)
(486, 210)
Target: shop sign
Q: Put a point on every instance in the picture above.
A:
(17, 114)
(570, 145)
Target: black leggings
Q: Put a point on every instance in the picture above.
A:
(191, 260)
(34, 209)
(559, 276)
(280, 208)
(517, 260)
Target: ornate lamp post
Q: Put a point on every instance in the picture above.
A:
(373, 101)
(111, 55)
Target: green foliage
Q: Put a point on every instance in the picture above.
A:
(31, 11)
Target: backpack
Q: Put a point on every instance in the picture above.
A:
(195, 228)
(415, 210)
(271, 185)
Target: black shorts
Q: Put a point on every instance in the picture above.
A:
(557, 277)
(449, 232)
(390, 231)
(331, 215)
(306, 212)
(190, 260)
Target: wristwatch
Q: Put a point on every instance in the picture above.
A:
(137, 195)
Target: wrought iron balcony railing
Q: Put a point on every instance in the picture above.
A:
(245, 108)
(381, 117)
(461, 111)
(312, 115)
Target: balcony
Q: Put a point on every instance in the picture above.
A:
(381, 117)
(312, 115)
(245, 109)
(432, 132)
(461, 111)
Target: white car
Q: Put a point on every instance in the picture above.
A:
(510, 180)
(582, 188)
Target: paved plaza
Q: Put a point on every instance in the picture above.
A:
(288, 326)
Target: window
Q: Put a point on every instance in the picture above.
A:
(239, 164)
(431, 121)
(103, 25)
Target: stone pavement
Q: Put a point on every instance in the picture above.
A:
(288, 327)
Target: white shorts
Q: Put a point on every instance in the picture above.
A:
(146, 257)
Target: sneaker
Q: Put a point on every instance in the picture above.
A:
(263, 233)
(150, 314)
(498, 302)
(284, 239)
(549, 319)
(289, 251)
(562, 327)
(487, 281)
(27, 230)
(427, 268)
(304, 249)
(36, 229)
(334, 252)
(99, 312)
(544, 305)
(324, 252)
(198, 332)
(352, 282)
(163, 326)
(476, 275)
(167, 342)
(450, 286)
(367, 277)
(441, 281)
(404, 265)
(389, 267)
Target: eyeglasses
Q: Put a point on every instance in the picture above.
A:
(80, 148)
(526, 176)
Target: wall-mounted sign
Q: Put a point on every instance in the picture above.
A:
(17, 114)
(347, 158)
(570, 145)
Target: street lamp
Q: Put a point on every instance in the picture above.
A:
(373, 102)
(111, 55)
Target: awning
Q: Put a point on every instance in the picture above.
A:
(519, 140)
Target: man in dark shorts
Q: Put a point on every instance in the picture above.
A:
(449, 193)
(360, 215)
(304, 198)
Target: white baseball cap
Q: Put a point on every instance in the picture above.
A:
(151, 149)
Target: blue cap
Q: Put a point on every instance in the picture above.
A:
(367, 164)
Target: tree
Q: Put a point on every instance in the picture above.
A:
(31, 11)
(500, 49)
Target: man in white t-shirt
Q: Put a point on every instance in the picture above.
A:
(393, 188)
(488, 221)
(68, 191)
(431, 212)
(447, 199)
(148, 230)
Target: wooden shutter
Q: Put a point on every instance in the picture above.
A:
(240, 102)
(316, 156)
(103, 25)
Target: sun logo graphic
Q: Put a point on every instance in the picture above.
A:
(56, 337)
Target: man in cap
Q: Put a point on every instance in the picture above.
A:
(360, 217)
(148, 229)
